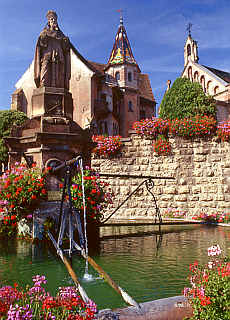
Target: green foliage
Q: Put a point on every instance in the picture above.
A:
(162, 146)
(34, 302)
(7, 119)
(3, 151)
(209, 294)
(96, 197)
(186, 99)
(20, 189)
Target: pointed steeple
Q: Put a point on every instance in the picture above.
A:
(121, 52)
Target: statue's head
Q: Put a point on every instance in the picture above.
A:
(52, 19)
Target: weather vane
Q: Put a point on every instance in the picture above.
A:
(121, 16)
(189, 28)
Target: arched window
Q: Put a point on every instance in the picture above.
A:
(188, 50)
(196, 76)
(202, 82)
(190, 73)
(209, 86)
(117, 75)
(216, 89)
(129, 76)
(130, 106)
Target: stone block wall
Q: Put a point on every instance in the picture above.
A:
(201, 169)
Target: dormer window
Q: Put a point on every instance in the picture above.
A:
(117, 75)
(129, 76)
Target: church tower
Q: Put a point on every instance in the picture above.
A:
(123, 68)
(190, 49)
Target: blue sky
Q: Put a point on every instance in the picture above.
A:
(156, 31)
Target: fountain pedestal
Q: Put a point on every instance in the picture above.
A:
(50, 137)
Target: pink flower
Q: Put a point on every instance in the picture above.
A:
(214, 250)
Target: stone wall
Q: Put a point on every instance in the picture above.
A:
(201, 169)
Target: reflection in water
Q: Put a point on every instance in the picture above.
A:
(147, 263)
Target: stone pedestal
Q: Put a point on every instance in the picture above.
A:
(49, 138)
(49, 101)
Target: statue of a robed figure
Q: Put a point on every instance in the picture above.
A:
(52, 72)
(52, 56)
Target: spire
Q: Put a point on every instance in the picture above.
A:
(121, 17)
(121, 52)
(189, 28)
(190, 48)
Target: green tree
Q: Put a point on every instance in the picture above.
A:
(8, 118)
(186, 99)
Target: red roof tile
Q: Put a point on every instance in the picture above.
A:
(97, 66)
(145, 87)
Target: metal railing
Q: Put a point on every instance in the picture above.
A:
(148, 182)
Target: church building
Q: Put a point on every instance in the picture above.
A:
(213, 81)
(107, 97)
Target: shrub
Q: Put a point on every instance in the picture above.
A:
(36, 303)
(197, 126)
(162, 146)
(213, 217)
(174, 213)
(151, 127)
(209, 294)
(96, 196)
(107, 146)
(186, 99)
(8, 118)
(20, 189)
(223, 130)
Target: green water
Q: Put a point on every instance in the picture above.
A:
(147, 265)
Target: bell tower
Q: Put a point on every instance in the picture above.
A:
(190, 48)
(122, 64)
(123, 68)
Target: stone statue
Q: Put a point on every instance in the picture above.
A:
(52, 56)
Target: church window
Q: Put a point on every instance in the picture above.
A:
(129, 76)
(208, 86)
(202, 82)
(216, 89)
(188, 50)
(190, 73)
(196, 76)
(130, 106)
(117, 75)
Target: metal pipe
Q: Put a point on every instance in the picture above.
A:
(118, 175)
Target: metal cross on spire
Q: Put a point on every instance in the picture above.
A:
(121, 16)
(189, 28)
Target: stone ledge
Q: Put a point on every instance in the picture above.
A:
(173, 308)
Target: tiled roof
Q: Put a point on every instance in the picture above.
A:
(121, 52)
(145, 87)
(98, 66)
(219, 73)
